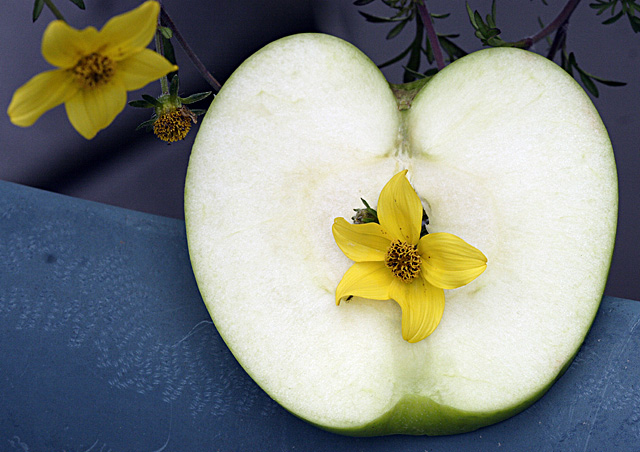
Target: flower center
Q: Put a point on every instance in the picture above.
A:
(93, 70)
(173, 126)
(403, 260)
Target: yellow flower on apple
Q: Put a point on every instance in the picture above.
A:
(95, 70)
(392, 261)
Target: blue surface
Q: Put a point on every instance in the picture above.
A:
(107, 346)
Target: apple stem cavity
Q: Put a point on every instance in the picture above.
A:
(406, 92)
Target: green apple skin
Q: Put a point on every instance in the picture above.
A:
(505, 150)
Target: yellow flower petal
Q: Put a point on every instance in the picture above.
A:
(361, 242)
(367, 280)
(400, 209)
(142, 68)
(43, 92)
(130, 32)
(448, 261)
(92, 110)
(422, 307)
(63, 45)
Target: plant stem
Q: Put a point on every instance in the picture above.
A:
(431, 33)
(558, 41)
(558, 22)
(190, 53)
(164, 81)
(56, 12)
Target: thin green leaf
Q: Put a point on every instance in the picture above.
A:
(472, 17)
(37, 9)
(490, 22)
(198, 111)
(414, 56)
(429, 52)
(608, 82)
(492, 33)
(78, 3)
(416, 74)
(613, 18)
(195, 98)
(588, 83)
(377, 19)
(453, 50)
(395, 31)
(481, 25)
(440, 16)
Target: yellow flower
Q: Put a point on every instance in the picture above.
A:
(95, 70)
(393, 262)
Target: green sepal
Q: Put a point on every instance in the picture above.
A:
(173, 88)
(147, 125)
(141, 104)
(195, 97)
(152, 100)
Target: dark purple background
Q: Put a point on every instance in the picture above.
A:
(133, 170)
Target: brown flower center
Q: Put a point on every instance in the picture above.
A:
(403, 260)
(93, 70)
(174, 125)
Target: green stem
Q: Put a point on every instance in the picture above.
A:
(56, 12)
(190, 53)
(164, 81)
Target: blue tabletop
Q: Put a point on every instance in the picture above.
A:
(107, 346)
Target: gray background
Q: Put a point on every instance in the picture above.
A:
(133, 170)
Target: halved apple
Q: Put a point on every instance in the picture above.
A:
(505, 150)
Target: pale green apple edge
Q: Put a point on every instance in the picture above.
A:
(417, 415)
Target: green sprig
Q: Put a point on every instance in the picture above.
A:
(406, 11)
(627, 7)
(569, 63)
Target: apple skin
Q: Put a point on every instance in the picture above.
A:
(260, 201)
(416, 415)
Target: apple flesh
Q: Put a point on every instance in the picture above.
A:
(505, 150)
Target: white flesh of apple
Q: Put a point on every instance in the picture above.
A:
(506, 151)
